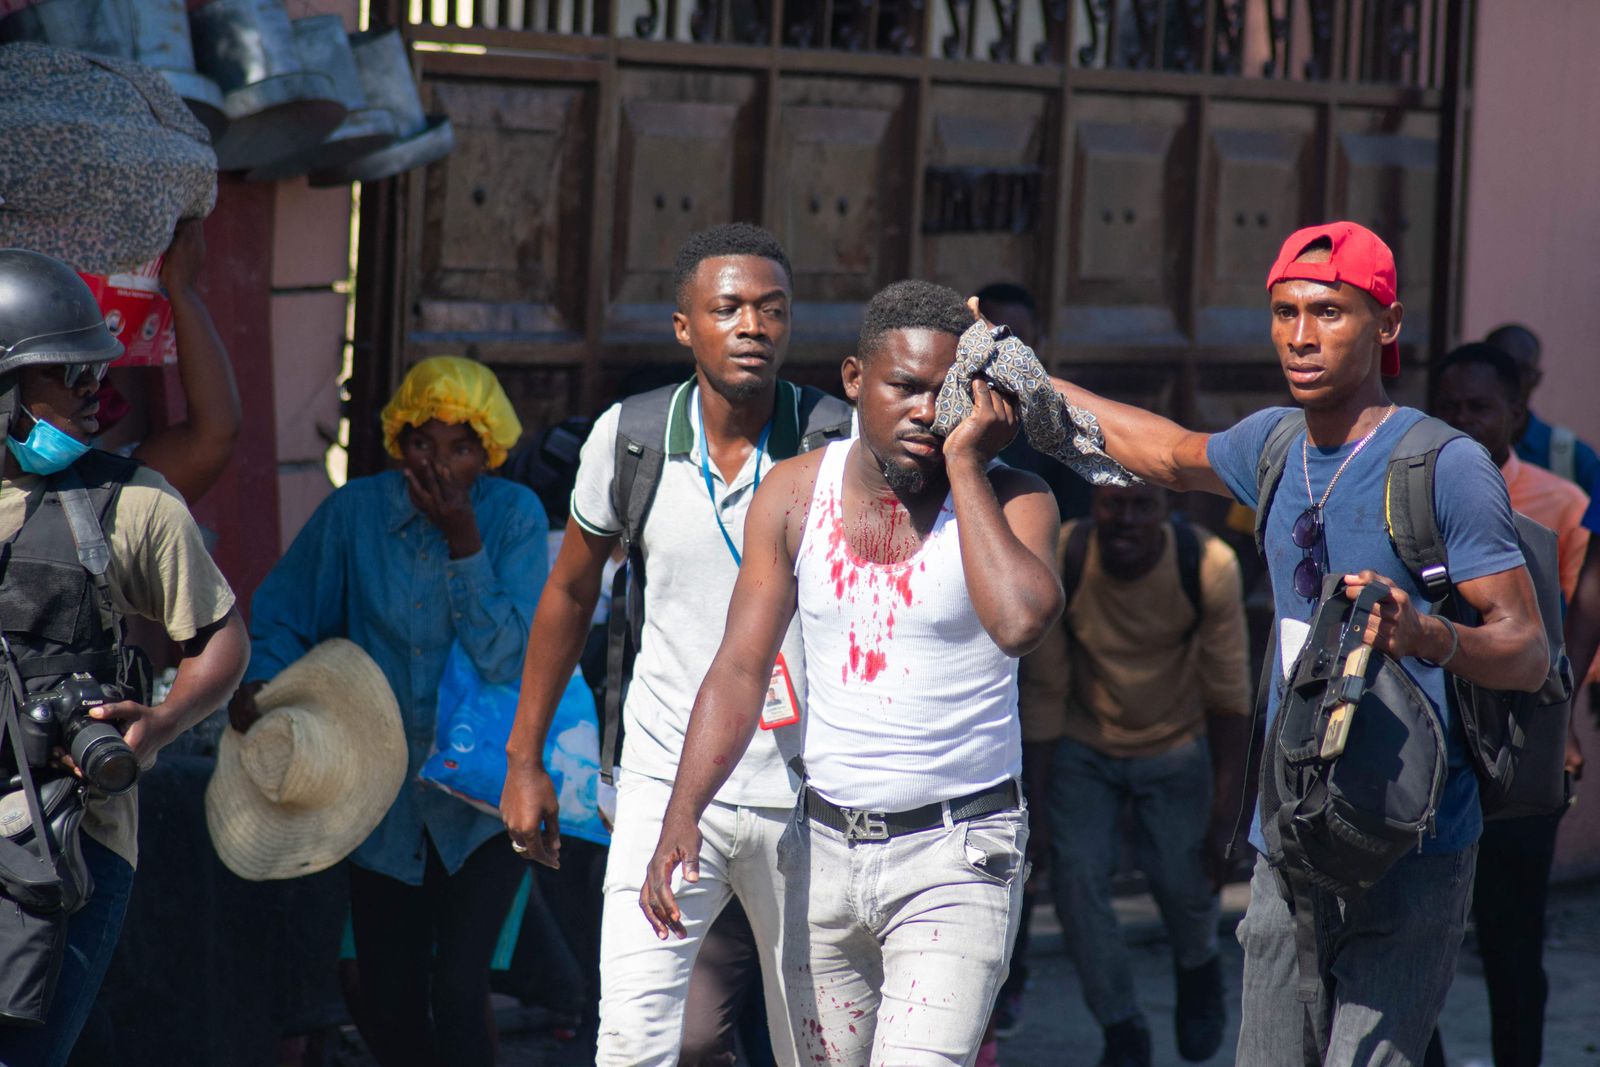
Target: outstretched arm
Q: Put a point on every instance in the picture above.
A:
(1155, 448)
(729, 702)
(1008, 522)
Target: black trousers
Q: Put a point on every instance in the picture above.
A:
(725, 997)
(424, 953)
(1509, 897)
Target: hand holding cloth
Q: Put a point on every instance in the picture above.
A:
(1053, 426)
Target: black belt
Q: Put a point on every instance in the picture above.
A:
(860, 825)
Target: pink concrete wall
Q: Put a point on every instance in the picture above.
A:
(1532, 243)
(310, 252)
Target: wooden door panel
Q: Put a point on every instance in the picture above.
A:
(1263, 173)
(503, 220)
(842, 198)
(982, 216)
(688, 157)
(1386, 178)
(1131, 193)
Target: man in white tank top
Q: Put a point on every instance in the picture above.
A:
(920, 570)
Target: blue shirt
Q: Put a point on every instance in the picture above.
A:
(1534, 447)
(370, 567)
(1474, 515)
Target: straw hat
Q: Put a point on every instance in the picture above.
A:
(317, 773)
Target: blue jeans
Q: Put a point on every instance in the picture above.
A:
(1170, 795)
(1387, 966)
(91, 937)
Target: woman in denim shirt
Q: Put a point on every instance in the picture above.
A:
(404, 563)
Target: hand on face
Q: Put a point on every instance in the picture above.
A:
(988, 427)
(440, 496)
(442, 460)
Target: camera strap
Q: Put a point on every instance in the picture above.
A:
(11, 730)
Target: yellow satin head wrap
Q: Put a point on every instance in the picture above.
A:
(453, 390)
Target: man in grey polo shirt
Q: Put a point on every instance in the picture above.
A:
(725, 428)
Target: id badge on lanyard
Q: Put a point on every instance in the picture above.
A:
(781, 707)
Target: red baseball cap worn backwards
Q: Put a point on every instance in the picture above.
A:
(1359, 257)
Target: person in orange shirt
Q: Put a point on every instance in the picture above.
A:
(1479, 392)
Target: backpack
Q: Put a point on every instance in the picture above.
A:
(1185, 542)
(1353, 773)
(1564, 455)
(1516, 741)
(640, 457)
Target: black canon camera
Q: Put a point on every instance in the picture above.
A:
(59, 717)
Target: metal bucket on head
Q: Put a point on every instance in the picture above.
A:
(161, 41)
(385, 69)
(324, 46)
(103, 27)
(276, 108)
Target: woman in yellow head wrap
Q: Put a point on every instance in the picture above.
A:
(407, 564)
(454, 391)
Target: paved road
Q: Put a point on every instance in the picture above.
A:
(1059, 1032)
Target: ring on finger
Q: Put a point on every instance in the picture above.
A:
(518, 846)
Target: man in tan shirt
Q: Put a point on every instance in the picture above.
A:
(1143, 686)
(88, 539)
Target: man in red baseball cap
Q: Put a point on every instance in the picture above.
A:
(1387, 957)
(1354, 255)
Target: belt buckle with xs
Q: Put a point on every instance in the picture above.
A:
(865, 826)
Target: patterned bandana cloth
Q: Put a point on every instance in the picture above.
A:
(1054, 427)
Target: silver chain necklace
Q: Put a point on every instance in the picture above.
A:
(1305, 465)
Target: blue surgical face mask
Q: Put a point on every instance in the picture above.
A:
(47, 449)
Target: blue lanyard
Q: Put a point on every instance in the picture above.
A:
(705, 470)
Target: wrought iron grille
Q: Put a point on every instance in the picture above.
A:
(1383, 42)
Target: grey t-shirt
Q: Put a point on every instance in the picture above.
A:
(691, 575)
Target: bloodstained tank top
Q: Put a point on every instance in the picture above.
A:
(910, 701)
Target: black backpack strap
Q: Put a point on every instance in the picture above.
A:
(1186, 543)
(1269, 468)
(640, 456)
(1073, 557)
(1408, 506)
(1270, 674)
(620, 650)
(823, 418)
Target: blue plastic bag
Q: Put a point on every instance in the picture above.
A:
(469, 759)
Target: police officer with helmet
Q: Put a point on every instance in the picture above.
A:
(87, 538)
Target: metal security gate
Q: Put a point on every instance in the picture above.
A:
(1134, 162)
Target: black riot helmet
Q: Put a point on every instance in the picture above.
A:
(48, 314)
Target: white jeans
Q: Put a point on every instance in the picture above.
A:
(894, 950)
(644, 981)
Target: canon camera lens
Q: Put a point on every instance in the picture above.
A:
(105, 758)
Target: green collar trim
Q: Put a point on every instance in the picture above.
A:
(783, 444)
